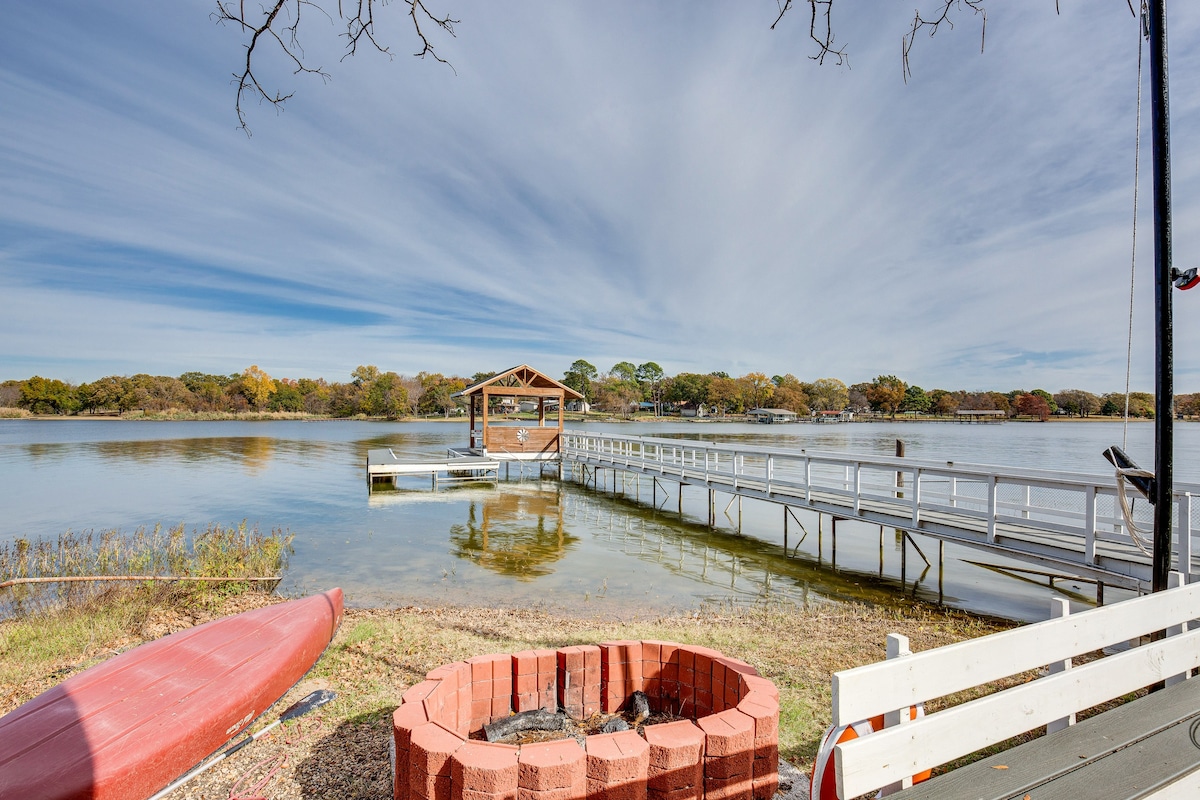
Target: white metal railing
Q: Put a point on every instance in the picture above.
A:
(1073, 504)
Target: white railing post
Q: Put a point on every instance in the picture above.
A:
(991, 507)
(953, 491)
(770, 471)
(857, 486)
(897, 647)
(1183, 529)
(1089, 525)
(1175, 579)
(807, 480)
(916, 497)
(1060, 607)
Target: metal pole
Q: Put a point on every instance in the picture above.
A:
(1164, 367)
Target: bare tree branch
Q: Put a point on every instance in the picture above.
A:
(937, 20)
(820, 29)
(280, 20)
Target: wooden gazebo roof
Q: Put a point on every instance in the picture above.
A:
(522, 381)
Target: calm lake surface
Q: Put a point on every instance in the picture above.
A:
(529, 541)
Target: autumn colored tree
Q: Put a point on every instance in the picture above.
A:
(1077, 402)
(387, 397)
(828, 394)
(725, 394)
(47, 396)
(690, 388)
(886, 393)
(757, 389)
(1032, 405)
(257, 386)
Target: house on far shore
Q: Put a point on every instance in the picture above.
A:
(772, 415)
(693, 411)
(833, 416)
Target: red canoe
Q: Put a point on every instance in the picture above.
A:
(126, 728)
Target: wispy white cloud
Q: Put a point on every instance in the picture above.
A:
(608, 182)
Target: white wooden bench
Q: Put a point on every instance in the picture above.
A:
(1149, 747)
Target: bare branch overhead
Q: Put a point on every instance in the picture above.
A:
(279, 20)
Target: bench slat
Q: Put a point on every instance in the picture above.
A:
(864, 692)
(889, 755)
(1062, 758)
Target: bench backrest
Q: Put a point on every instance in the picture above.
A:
(910, 747)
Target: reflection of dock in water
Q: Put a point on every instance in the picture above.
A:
(517, 532)
(732, 564)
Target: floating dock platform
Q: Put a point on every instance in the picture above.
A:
(458, 465)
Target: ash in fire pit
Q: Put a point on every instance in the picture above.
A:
(697, 726)
(540, 725)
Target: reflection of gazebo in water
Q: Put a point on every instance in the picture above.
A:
(493, 402)
(499, 535)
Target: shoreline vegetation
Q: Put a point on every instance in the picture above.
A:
(626, 391)
(342, 749)
(10, 413)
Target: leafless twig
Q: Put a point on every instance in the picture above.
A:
(280, 20)
(935, 21)
(820, 29)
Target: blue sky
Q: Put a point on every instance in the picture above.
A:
(608, 181)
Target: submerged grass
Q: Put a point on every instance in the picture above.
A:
(218, 551)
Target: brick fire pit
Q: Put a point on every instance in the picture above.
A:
(726, 747)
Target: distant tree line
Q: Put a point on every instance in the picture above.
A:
(624, 389)
(369, 392)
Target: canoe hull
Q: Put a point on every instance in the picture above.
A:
(125, 728)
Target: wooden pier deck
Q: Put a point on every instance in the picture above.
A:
(1064, 521)
(457, 465)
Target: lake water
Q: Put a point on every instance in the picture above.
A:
(529, 541)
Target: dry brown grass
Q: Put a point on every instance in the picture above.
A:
(340, 751)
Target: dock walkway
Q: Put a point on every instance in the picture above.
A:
(1059, 520)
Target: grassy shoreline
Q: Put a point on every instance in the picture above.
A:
(341, 750)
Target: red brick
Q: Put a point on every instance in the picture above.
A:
(765, 788)
(526, 702)
(501, 707)
(502, 668)
(685, 793)
(766, 761)
(430, 749)
(674, 745)
(547, 661)
(428, 787)
(727, 733)
(481, 668)
(738, 765)
(570, 659)
(617, 757)
(528, 684)
(598, 790)
(481, 689)
(731, 789)
(738, 666)
(468, 794)
(764, 710)
(575, 792)
(418, 691)
(670, 671)
(481, 713)
(755, 683)
(404, 719)
(524, 663)
(502, 687)
(486, 768)
(552, 765)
